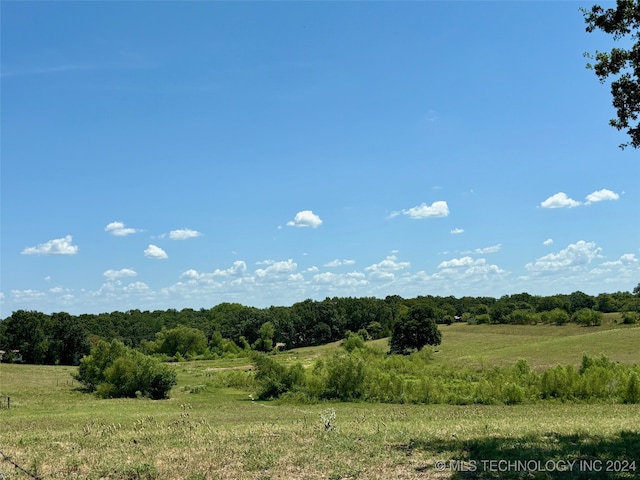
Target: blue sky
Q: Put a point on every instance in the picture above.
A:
(181, 154)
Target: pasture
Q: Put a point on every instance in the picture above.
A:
(210, 428)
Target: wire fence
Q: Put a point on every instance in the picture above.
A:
(6, 458)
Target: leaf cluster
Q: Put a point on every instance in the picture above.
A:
(622, 21)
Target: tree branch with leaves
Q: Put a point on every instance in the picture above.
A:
(623, 21)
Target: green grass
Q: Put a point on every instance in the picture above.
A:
(543, 346)
(58, 432)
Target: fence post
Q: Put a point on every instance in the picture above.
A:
(8, 403)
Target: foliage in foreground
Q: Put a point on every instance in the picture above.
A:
(369, 375)
(623, 63)
(114, 370)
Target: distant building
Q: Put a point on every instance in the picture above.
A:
(13, 356)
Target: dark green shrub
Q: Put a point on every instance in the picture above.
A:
(353, 341)
(345, 377)
(275, 379)
(587, 317)
(512, 394)
(113, 370)
(632, 391)
(630, 318)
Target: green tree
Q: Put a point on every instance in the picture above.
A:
(70, 342)
(265, 339)
(415, 331)
(114, 370)
(624, 64)
(26, 331)
(181, 340)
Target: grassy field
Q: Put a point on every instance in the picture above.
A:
(57, 432)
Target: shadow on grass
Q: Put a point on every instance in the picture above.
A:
(547, 456)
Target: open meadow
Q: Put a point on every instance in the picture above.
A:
(211, 427)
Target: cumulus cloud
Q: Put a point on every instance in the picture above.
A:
(491, 249)
(457, 262)
(601, 195)
(468, 270)
(123, 272)
(238, 268)
(337, 262)
(183, 234)
(379, 276)
(352, 279)
(276, 270)
(576, 255)
(389, 264)
(305, 218)
(118, 229)
(137, 287)
(559, 200)
(625, 260)
(436, 209)
(547, 242)
(191, 273)
(457, 231)
(153, 251)
(28, 295)
(58, 246)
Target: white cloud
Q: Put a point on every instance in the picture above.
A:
(58, 246)
(457, 262)
(352, 279)
(576, 255)
(559, 200)
(26, 295)
(466, 270)
(123, 272)
(154, 251)
(183, 234)
(457, 231)
(387, 265)
(118, 229)
(491, 249)
(191, 273)
(381, 276)
(276, 270)
(137, 287)
(600, 195)
(625, 260)
(305, 218)
(547, 242)
(436, 209)
(239, 268)
(337, 262)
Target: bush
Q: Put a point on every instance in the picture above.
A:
(632, 392)
(113, 370)
(630, 318)
(345, 377)
(512, 394)
(588, 317)
(353, 341)
(275, 379)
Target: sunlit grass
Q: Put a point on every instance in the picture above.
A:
(59, 432)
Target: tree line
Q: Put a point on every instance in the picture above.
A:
(234, 329)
